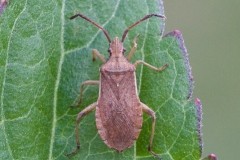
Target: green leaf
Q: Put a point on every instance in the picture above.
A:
(45, 57)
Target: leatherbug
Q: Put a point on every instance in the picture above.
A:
(119, 111)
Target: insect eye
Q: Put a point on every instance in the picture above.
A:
(109, 50)
(124, 50)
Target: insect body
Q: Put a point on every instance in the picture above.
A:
(119, 110)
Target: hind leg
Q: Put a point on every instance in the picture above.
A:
(151, 113)
(79, 117)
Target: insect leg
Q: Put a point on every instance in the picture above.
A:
(79, 98)
(96, 53)
(79, 117)
(133, 49)
(151, 113)
(150, 66)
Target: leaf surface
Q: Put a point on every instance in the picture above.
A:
(45, 57)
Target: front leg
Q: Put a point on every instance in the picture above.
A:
(133, 49)
(79, 117)
(150, 66)
(97, 54)
(79, 98)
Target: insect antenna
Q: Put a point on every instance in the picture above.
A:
(139, 21)
(94, 23)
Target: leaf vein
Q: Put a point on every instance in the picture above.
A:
(54, 121)
(174, 68)
(4, 80)
(181, 129)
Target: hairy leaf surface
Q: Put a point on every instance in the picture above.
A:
(45, 57)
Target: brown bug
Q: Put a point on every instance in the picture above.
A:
(118, 108)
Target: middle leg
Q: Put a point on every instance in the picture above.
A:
(79, 98)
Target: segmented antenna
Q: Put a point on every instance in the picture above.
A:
(94, 23)
(136, 23)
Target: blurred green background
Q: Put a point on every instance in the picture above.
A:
(211, 29)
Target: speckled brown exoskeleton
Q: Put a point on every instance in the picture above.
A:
(119, 111)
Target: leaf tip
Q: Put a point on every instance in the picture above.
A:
(178, 36)
(3, 4)
(198, 102)
(198, 105)
(211, 157)
(199, 109)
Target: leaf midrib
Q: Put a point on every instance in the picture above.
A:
(57, 83)
(63, 53)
